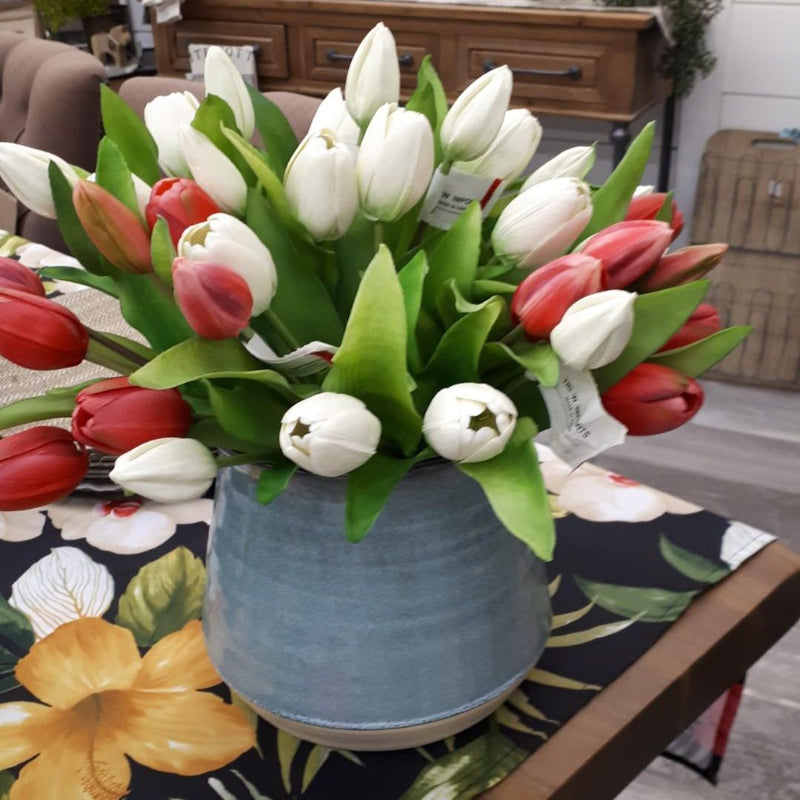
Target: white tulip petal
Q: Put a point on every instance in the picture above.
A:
(162, 116)
(573, 163)
(224, 80)
(373, 77)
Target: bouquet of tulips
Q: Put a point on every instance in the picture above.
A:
(388, 290)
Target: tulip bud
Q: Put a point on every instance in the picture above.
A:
(223, 239)
(224, 80)
(329, 434)
(332, 115)
(166, 470)
(594, 330)
(181, 203)
(39, 334)
(113, 228)
(541, 223)
(162, 116)
(373, 77)
(511, 150)
(652, 399)
(395, 162)
(140, 189)
(469, 422)
(648, 206)
(321, 188)
(24, 170)
(683, 266)
(38, 466)
(572, 163)
(542, 299)
(213, 170)
(114, 416)
(703, 322)
(215, 300)
(14, 275)
(628, 249)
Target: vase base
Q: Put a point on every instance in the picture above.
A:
(388, 738)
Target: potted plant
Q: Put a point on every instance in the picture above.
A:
(360, 334)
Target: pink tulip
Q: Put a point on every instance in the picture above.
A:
(652, 399)
(14, 276)
(649, 205)
(215, 300)
(683, 266)
(542, 298)
(702, 323)
(628, 249)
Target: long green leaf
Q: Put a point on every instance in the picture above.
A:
(275, 131)
(162, 251)
(645, 603)
(273, 480)
(430, 99)
(353, 253)
(412, 278)
(249, 411)
(695, 358)
(213, 118)
(539, 359)
(690, 564)
(81, 277)
(514, 488)
(371, 362)
(114, 174)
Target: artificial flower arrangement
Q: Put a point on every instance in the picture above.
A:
(384, 292)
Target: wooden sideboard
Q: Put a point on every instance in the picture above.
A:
(599, 65)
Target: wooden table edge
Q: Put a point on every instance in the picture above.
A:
(619, 732)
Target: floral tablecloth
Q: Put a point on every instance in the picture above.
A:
(106, 687)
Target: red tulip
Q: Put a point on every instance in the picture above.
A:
(113, 228)
(39, 334)
(652, 399)
(648, 206)
(542, 298)
(628, 249)
(115, 416)
(181, 203)
(14, 276)
(39, 466)
(215, 300)
(703, 321)
(683, 266)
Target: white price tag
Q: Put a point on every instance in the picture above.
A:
(580, 428)
(448, 195)
(242, 56)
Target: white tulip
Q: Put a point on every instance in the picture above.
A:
(212, 170)
(223, 239)
(595, 329)
(332, 114)
(395, 162)
(329, 434)
(572, 163)
(224, 80)
(373, 77)
(162, 116)
(25, 172)
(511, 150)
(541, 223)
(475, 118)
(321, 188)
(469, 422)
(168, 470)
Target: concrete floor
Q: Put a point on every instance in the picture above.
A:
(739, 457)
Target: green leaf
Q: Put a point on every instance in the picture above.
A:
(212, 435)
(81, 277)
(429, 98)
(368, 489)
(353, 253)
(16, 633)
(6, 782)
(273, 480)
(690, 564)
(695, 358)
(560, 681)
(611, 200)
(287, 746)
(487, 288)
(371, 362)
(249, 411)
(514, 488)
(657, 315)
(537, 358)
(644, 603)
(214, 118)
(468, 771)
(52, 404)
(123, 126)
(316, 758)
(113, 174)
(163, 596)
(162, 251)
(275, 131)
(412, 278)
(590, 634)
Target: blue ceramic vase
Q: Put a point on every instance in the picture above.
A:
(409, 636)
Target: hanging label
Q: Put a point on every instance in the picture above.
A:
(448, 196)
(242, 56)
(580, 428)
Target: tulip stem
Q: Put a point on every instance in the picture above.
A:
(446, 166)
(513, 335)
(380, 234)
(241, 458)
(106, 352)
(282, 331)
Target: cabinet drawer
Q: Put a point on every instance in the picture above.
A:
(326, 53)
(271, 60)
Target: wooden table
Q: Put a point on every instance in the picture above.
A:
(608, 742)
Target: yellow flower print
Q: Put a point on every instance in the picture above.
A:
(104, 702)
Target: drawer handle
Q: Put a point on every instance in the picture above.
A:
(404, 60)
(573, 73)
